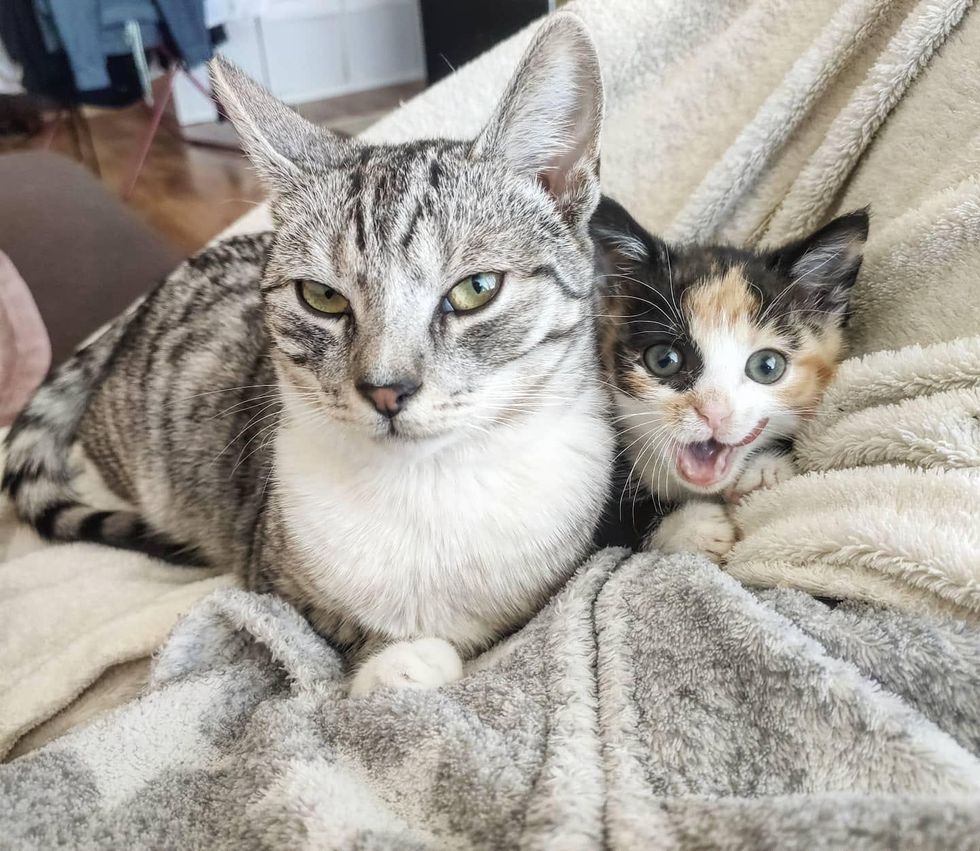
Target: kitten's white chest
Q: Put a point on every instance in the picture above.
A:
(458, 543)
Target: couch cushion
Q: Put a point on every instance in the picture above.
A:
(84, 255)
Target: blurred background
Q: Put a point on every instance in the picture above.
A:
(120, 86)
(115, 164)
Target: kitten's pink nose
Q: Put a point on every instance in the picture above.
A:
(714, 412)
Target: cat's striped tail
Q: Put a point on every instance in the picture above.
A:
(40, 469)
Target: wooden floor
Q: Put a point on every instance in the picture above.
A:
(188, 192)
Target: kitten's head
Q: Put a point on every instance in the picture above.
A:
(716, 351)
(434, 288)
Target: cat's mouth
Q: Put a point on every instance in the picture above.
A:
(708, 462)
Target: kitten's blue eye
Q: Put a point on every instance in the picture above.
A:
(663, 360)
(765, 366)
(472, 292)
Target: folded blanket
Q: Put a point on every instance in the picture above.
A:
(889, 509)
(69, 617)
(654, 703)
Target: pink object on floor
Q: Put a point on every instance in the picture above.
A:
(25, 350)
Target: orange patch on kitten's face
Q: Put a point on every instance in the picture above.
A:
(721, 301)
(813, 366)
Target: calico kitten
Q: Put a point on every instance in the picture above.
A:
(716, 355)
(389, 410)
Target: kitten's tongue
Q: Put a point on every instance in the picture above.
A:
(704, 463)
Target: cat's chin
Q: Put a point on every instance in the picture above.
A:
(414, 439)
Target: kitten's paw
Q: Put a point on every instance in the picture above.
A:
(695, 527)
(763, 471)
(423, 663)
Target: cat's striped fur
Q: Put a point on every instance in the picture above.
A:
(237, 424)
(130, 407)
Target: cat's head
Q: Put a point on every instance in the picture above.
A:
(715, 351)
(434, 288)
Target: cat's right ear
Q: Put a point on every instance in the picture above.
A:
(547, 124)
(278, 141)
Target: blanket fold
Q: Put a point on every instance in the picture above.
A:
(888, 510)
(653, 703)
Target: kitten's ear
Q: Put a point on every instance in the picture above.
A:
(619, 236)
(623, 244)
(277, 140)
(825, 264)
(547, 124)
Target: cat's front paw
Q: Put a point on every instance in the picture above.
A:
(695, 527)
(423, 663)
(765, 470)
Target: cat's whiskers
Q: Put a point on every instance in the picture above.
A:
(269, 433)
(626, 449)
(648, 451)
(671, 304)
(646, 301)
(670, 281)
(225, 390)
(241, 407)
(648, 437)
(656, 455)
(253, 423)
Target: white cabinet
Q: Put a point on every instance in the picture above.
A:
(305, 50)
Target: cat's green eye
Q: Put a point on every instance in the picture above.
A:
(321, 298)
(765, 366)
(663, 360)
(472, 292)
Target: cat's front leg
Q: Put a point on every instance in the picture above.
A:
(764, 470)
(697, 526)
(420, 663)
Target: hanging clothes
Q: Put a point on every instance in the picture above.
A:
(43, 73)
(92, 31)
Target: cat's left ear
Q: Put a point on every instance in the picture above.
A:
(825, 264)
(548, 122)
(280, 143)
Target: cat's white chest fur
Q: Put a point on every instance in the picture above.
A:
(456, 542)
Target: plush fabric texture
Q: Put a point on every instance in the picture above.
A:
(887, 511)
(71, 613)
(655, 703)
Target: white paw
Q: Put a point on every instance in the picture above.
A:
(423, 663)
(764, 470)
(695, 527)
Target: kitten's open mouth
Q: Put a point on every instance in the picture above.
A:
(709, 461)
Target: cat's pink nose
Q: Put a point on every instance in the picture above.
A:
(715, 413)
(388, 399)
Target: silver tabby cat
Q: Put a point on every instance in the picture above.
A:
(389, 410)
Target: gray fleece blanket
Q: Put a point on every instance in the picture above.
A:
(655, 703)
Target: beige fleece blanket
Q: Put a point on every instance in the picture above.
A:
(74, 615)
(889, 508)
(736, 119)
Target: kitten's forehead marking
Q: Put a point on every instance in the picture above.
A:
(725, 300)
